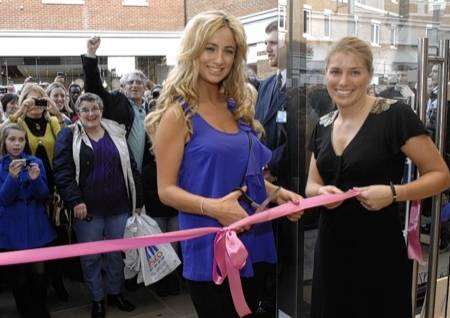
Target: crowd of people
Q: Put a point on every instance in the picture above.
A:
(205, 149)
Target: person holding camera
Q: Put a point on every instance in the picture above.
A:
(23, 219)
(41, 120)
(39, 116)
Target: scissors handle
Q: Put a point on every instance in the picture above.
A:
(266, 202)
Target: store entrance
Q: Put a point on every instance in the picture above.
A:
(408, 41)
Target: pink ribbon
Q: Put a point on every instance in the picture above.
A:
(414, 246)
(230, 254)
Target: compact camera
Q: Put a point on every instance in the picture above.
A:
(25, 162)
(40, 102)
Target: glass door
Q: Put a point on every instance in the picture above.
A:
(394, 29)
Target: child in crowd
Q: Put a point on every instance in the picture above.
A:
(23, 220)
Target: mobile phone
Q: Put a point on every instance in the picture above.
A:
(60, 74)
(3, 90)
(40, 102)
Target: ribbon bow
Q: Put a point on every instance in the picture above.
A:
(230, 256)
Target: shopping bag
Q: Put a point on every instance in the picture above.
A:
(132, 260)
(152, 262)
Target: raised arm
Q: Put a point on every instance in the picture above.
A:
(92, 79)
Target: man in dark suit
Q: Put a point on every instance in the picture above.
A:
(271, 111)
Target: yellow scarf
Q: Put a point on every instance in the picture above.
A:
(47, 141)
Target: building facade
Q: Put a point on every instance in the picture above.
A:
(42, 37)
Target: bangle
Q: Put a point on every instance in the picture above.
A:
(394, 193)
(201, 207)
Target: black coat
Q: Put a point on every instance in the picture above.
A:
(117, 107)
(65, 175)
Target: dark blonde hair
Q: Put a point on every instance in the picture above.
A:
(27, 89)
(56, 85)
(181, 83)
(4, 134)
(355, 46)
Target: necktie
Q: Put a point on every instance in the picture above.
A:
(279, 81)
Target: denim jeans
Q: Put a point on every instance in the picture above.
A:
(99, 228)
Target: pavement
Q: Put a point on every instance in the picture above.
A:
(148, 304)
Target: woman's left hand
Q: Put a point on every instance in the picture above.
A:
(51, 107)
(375, 197)
(285, 196)
(33, 171)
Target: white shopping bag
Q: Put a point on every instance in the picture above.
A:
(150, 263)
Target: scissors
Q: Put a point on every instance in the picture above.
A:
(256, 206)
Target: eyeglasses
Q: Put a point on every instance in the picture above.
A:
(134, 81)
(94, 110)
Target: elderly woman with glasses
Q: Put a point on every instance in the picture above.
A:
(96, 175)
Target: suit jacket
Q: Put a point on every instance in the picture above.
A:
(270, 101)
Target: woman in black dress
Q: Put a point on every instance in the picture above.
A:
(361, 265)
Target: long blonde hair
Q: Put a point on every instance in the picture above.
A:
(180, 85)
(33, 87)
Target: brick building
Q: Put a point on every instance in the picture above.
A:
(41, 37)
(392, 27)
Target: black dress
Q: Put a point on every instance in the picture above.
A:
(361, 265)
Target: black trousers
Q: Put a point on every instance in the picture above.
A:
(211, 300)
(29, 288)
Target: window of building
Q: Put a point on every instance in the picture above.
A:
(138, 3)
(393, 36)
(431, 33)
(282, 17)
(63, 1)
(327, 23)
(307, 21)
(375, 36)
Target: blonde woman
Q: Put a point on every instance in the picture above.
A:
(204, 140)
(39, 116)
(361, 266)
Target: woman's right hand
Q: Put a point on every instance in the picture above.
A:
(329, 189)
(226, 210)
(92, 45)
(80, 211)
(15, 167)
(23, 109)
